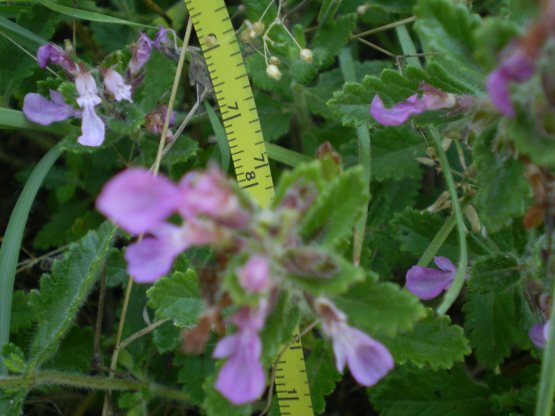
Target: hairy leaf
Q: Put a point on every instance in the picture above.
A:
(322, 375)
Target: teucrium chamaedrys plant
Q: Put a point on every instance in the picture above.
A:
(448, 107)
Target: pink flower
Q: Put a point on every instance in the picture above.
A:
(92, 127)
(115, 84)
(210, 194)
(43, 111)
(432, 99)
(140, 54)
(517, 66)
(241, 379)
(428, 283)
(254, 275)
(367, 359)
(538, 334)
(56, 55)
(161, 38)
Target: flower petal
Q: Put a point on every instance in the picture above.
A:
(42, 111)
(254, 275)
(397, 114)
(226, 346)
(138, 201)
(92, 128)
(499, 93)
(445, 264)
(150, 259)
(428, 283)
(241, 379)
(536, 334)
(368, 359)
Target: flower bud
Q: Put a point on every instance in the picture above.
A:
(244, 36)
(274, 60)
(363, 8)
(273, 72)
(259, 28)
(306, 55)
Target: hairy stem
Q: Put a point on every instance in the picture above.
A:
(437, 241)
(455, 289)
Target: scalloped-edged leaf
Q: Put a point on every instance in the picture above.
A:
(434, 341)
(177, 297)
(62, 293)
(336, 209)
(415, 392)
(494, 273)
(394, 153)
(492, 321)
(382, 308)
(322, 375)
(504, 193)
(446, 30)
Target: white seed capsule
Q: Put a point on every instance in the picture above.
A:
(306, 55)
(273, 72)
(274, 60)
(259, 28)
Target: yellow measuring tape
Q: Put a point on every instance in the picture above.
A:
(246, 143)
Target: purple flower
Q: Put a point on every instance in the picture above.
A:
(56, 55)
(537, 335)
(241, 379)
(43, 111)
(154, 121)
(367, 359)
(137, 201)
(92, 127)
(431, 99)
(211, 194)
(254, 275)
(428, 283)
(115, 84)
(140, 54)
(161, 38)
(517, 66)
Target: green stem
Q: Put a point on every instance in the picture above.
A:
(82, 381)
(11, 244)
(364, 155)
(285, 156)
(437, 241)
(455, 289)
(407, 46)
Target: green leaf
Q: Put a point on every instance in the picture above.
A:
(492, 323)
(14, 358)
(415, 392)
(177, 298)
(274, 116)
(394, 153)
(22, 316)
(309, 173)
(158, 79)
(504, 192)
(494, 274)
(63, 292)
(256, 67)
(382, 308)
(329, 39)
(336, 209)
(11, 244)
(221, 137)
(87, 15)
(194, 370)
(75, 352)
(434, 341)
(528, 138)
(322, 375)
(491, 37)
(166, 338)
(279, 327)
(446, 29)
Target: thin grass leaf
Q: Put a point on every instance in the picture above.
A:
(11, 244)
(221, 137)
(15, 119)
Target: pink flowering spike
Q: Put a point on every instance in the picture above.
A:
(254, 275)
(397, 114)
(367, 359)
(428, 283)
(445, 264)
(53, 53)
(42, 111)
(536, 334)
(211, 194)
(251, 318)
(140, 54)
(137, 201)
(517, 67)
(241, 379)
(115, 85)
